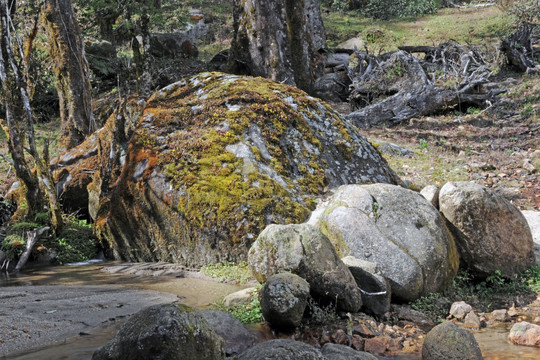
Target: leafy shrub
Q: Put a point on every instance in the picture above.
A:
(13, 245)
(389, 9)
(479, 294)
(75, 243)
(249, 313)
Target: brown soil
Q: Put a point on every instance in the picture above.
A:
(489, 147)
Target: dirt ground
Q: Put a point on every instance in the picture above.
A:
(498, 147)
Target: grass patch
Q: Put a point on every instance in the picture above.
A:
(249, 313)
(229, 272)
(473, 25)
(487, 295)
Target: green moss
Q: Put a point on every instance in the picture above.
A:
(221, 190)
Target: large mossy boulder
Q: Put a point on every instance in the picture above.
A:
(491, 233)
(164, 332)
(217, 157)
(395, 228)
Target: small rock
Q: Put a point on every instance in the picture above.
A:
(284, 299)
(499, 315)
(241, 297)
(374, 288)
(377, 345)
(448, 341)
(363, 330)
(341, 352)
(357, 343)
(528, 166)
(513, 311)
(283, 350)
(524, 333)
(340, 337)
(460, 309)
(431, 193)
(472, 321)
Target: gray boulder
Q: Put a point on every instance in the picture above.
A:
(284, 299)
(447, 341)
(237, 338)
(375, 289)
(164, 332)
(282, 350)
(303, 250)
(490, 232)
(342, 352)
(397, 229)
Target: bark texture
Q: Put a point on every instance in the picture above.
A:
(72, 72)
(278, 40)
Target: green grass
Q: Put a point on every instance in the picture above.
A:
(476, 26)
(229, 272)
(485, 295)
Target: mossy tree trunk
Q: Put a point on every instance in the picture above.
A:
(19, 127)
(72, 72)
(279, 40)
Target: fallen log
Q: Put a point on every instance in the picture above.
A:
(397, 86)
(31, 238)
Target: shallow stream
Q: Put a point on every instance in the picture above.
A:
(194, 292)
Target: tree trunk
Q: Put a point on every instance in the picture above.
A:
(72, 72)
(18, 114)
(14, 127)
(31, 238)
(278, 40)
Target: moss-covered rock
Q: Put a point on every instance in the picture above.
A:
(217, 157)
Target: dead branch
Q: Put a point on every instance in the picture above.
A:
(31, 238)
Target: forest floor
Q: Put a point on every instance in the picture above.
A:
(498, 147)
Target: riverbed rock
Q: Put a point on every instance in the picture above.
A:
(447, 341)
(217, 157)
(303, 250)
(164, 332)
(460, 309)
(524, 333)
(397, 229)
(490, 232)
(242, 297)
(342, 352)
(375, 289)
(284, 299)
(282, 350)
(236, 336)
